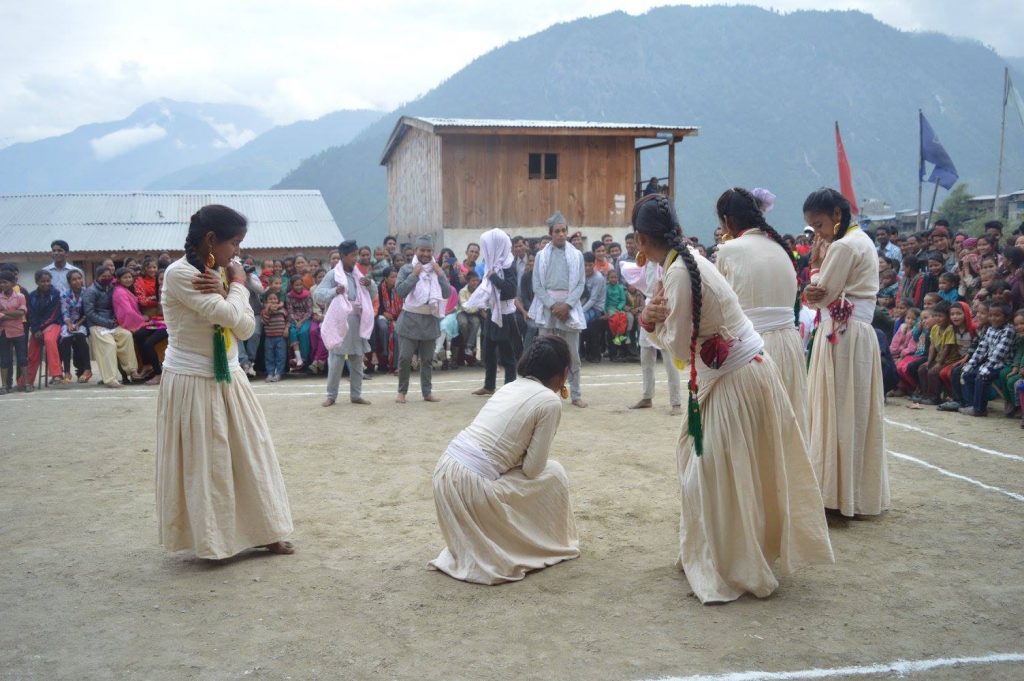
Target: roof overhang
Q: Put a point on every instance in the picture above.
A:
(477, 126)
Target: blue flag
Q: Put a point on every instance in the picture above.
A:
(944, 173)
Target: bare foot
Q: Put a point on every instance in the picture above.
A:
(281, 548)
(85, 377)
(360, 400)
(579, 403)
(431, 398)
(677, 410)
(643, 404)
(155, 380)
(483, 391)
(400, 399)
(114, 384)
(329, 402)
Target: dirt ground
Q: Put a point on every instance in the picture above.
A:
(88, 594)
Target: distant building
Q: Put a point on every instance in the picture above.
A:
(98, 225)
(1011, 207)
(455, 178)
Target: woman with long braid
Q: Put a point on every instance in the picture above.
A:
(764, 279)
(502, 504)
(219, 488)
(749, 496)
(845, 391)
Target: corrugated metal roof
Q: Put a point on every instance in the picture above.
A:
(141, 221)
(513, 123)
(437, 125)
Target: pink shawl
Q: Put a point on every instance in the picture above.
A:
(126, 309)
(334, 327)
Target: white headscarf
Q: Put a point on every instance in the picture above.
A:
(496, 251)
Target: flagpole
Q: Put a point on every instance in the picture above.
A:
(920, 180)
(932, 207)
(1002, 140)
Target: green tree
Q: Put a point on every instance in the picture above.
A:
(957, 208)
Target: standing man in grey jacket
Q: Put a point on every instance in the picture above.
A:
(425, 288)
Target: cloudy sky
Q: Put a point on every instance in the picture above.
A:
(63, 64)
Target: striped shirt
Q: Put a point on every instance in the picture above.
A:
(275, 324)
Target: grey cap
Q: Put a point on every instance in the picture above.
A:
(424, 241)
(557, 219)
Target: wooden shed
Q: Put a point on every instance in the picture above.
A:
(455, 178)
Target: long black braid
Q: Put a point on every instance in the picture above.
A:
(225, 223)
(655, 216)
(741, 206)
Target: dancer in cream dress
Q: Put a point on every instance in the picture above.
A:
(502, 505)
(749, 496)
(845, 393)
(758, 266)
(219, 488)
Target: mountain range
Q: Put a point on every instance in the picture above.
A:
(765, 89)
(168, 144)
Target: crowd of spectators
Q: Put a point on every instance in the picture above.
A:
(950, 313)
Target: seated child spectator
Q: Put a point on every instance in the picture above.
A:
(44, 321)
(300, 317)
(908, 365)
(275, 330)
(618, 316)
(980, 325)
(888, 288)
(949, 285)
(993, 353)
(914, 286)
(890, 379)
(930, 299)
(943, 351)
(1013, 372)
(469, 319)
(74, 336)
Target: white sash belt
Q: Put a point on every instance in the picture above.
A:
(863, 310)
(191, 363)
(467, 452)
(767, 319)
(747, 345)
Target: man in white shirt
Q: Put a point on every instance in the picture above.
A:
(60, 268)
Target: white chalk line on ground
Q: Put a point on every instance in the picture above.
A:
(968, 445)
(899, 667)
(343, 392)
(957, 476)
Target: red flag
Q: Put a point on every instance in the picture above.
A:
(845, 178)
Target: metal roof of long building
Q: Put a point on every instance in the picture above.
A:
(494, 126)
(150, 221)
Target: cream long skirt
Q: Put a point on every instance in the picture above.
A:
(219, 488)
(497, 531)
(752, 498)
(845, 403)
(787, 350)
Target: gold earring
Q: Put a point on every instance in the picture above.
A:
(564, 392)
(835, 230)
(211, 261)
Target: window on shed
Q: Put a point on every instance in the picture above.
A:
(543, 166)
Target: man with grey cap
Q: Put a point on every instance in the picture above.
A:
(346, 279)
(425, 288)
(558, 281)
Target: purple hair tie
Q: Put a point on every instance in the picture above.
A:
(765, 199)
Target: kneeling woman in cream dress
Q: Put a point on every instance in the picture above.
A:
(503, 507)
(219, 488)
(749, 496)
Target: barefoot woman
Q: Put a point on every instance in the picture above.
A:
(844, 390)
(749, 495)
(219, 488)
